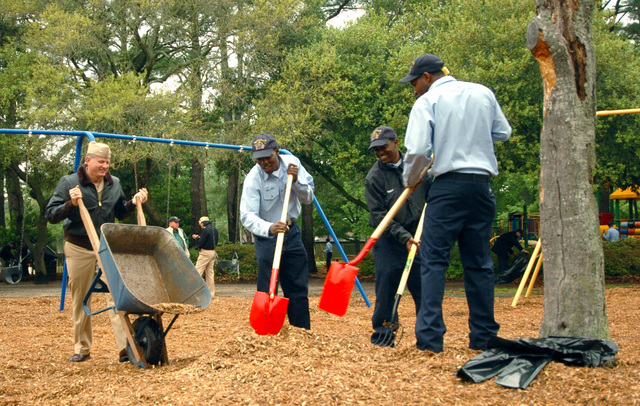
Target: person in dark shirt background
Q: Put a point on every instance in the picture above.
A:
(503, 247)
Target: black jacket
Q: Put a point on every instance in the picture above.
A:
(6, 254)
(382, 187)
(208, 237)
(505, 242)
(113, 205)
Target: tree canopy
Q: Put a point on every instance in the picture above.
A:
(225, 71)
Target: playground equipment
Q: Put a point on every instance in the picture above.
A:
(535, 260)
(229, 267)
(91, 137)
(630, 228)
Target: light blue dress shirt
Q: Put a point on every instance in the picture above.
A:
(263, 196)
(456, 122)
(611, 235)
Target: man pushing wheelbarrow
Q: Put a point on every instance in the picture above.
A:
(103, 197)
(274, 177)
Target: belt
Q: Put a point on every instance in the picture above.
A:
(466, 177)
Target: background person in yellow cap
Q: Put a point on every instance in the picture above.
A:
(260, 211)
(459, 133)
(102, 195)
(206, 243)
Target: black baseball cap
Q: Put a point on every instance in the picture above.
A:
(380, 135)
(174, 218)
(263, 145)
(424, 63)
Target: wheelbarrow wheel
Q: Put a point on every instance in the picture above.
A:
(150, 340)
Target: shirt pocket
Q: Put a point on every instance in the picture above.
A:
(270, 197)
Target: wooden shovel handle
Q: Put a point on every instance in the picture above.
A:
(412, 255)
(396, 206)
(280, 238)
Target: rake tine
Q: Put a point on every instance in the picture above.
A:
(390, 335)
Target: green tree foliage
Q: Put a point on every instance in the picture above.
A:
(618, 85)
(333, 93)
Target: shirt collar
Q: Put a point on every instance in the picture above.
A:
(276, 174)
(442, 80)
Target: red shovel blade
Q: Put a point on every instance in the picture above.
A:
(267, 315)
(337, 289)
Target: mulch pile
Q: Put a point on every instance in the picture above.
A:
(216, 358)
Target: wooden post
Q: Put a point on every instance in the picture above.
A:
(535, 275)
(526, 273)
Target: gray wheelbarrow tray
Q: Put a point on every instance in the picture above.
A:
(147, 273)
(145, 266)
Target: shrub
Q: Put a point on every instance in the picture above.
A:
(621, 257)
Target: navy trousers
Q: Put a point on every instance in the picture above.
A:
(293, 275)
(462, 211)
(390, 258)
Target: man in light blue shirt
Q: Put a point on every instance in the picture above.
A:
(611, 235)
(260, 211)
(456, 123)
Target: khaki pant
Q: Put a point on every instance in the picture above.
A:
(204, 266)
(81, 269)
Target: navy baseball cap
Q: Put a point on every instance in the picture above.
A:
(381, 135)
(174, 218)
(262, 146)
(424, 63)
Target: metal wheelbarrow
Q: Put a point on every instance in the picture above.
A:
(148, 275)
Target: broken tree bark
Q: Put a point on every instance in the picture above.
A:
(560, 38)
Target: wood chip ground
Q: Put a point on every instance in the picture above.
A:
(216, 358)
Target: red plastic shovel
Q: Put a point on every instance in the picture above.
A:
(342, 276)
(268, 310)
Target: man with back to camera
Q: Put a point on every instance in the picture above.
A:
(260, 212)
(206, 244)
(456, 123)
(382, 187)
(103, 197)
(611, 235)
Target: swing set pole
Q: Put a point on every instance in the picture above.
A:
(91, 136)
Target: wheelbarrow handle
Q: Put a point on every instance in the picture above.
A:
(88, 226)
(91, 232)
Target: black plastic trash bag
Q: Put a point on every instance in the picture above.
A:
(515, 271)
(518, 362)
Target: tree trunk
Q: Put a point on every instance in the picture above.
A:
(16, 203)
(307, 235)
(3, 223)
(198, 199)
(232, 205)
(560, 38)
(603, 203)
(233, 185)
(37, 250)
